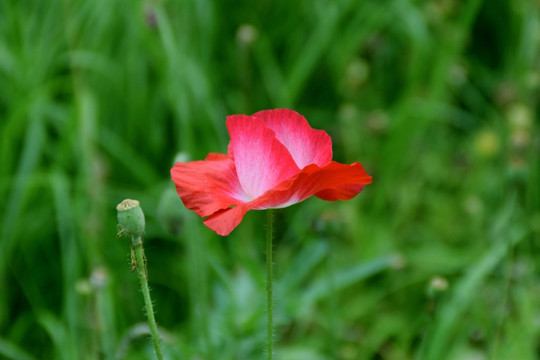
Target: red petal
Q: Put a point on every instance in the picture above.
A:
(224, 221)
(261, 161)
(306, 145)
(208, 186)
(342, 193)
(333, 182)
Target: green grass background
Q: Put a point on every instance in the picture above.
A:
(437, 259)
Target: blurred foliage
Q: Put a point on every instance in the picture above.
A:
(437, 259)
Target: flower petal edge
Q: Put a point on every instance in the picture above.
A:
(208, 186)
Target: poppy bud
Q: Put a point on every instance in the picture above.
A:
(246, 34)
(520, 117)
(98, 278)
(437, 286)
(356, 74)
(130, 217)
(487, 143)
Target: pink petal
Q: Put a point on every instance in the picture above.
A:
(333, 182)
(306, 145)
(208, 186)
(261, 161)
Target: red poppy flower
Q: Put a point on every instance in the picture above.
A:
(275, 159)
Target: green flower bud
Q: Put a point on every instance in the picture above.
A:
(130, 217)
(437, 286)
(487, 143)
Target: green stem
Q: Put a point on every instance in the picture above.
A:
(269, 286)
(140, 264)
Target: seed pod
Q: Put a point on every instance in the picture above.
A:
(131, 218)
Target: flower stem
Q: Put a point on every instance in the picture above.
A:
(269, 286)
(139, 262)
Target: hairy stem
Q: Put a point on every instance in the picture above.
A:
(269, 286)
(140, 265)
